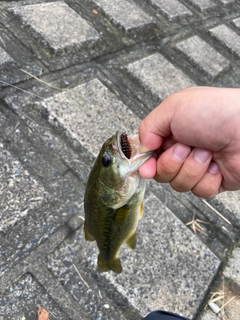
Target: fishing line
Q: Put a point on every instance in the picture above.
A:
(31, 93)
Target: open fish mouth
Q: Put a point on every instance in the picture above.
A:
(125, 145)
(128, 147)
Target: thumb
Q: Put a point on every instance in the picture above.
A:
(155, 127)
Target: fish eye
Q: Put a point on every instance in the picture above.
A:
(106, 159)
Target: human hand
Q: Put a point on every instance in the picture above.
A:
(196, 135)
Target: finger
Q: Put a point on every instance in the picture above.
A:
(210, 184)
(168, 143)
(149, 168)
(156, 126)
(170, 162)
(192, 171)
(148, 136)
(159, 122)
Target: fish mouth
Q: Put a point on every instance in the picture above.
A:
(125, 145)
(128, 149)
(128, 146)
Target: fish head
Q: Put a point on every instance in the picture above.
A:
(118, 163)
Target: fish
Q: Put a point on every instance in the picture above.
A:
(113, 200)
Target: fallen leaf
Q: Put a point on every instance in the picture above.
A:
(42, 314)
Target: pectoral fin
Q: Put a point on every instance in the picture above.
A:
(132, 241)
(87, 233)
(121, 214)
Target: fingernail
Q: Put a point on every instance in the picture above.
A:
(180, 151)
(201, 155)
(142, 149)
(214, 168)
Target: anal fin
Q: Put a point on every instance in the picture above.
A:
(132, 240)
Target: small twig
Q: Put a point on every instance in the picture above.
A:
(81, 276)
(227, 302)
(225, 229)
(214, 210)
(44, 82)
(3, 42)
(52, 314)
(220, 297)
(195, 225)
(216, 296)
(217, 293)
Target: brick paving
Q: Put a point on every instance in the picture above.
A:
(72, 73)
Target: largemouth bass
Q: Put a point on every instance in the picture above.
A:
(114, 197)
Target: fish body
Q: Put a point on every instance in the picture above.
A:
(114, 197)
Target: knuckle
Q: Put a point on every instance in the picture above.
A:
(166, 172)
(190, 174)
(179, 187)
(163, 178)
(168, 168)
(205, 189)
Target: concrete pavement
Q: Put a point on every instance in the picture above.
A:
(71, 74)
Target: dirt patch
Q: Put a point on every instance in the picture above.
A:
(227, 301)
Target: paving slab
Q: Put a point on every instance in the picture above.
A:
(218, 235)
(172, 9)
(5, 58)
(22, 300)
(68, 267)
(158, 75)
(207, 59)
(162, 273)
(30, 210)
(203, 4)
(15, 59)
(58, 32)
(35, 258)
(209, 315)
(227, 37)
(236, 22)
(19, 191)
(57, 29)
(116, 12)
(226, 1)
(77, 108)
(232, 271)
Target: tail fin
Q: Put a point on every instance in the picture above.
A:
(114, 265)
